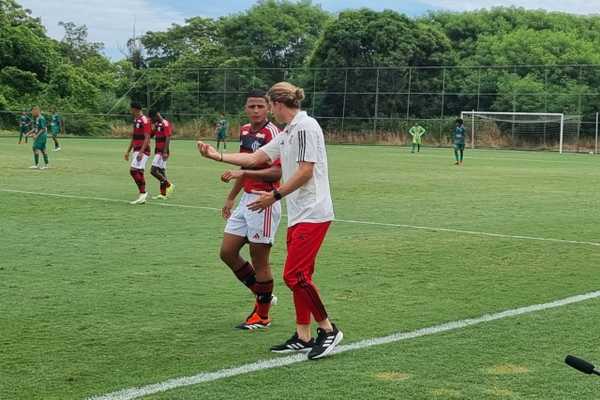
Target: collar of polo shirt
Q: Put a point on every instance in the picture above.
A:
(300, 115)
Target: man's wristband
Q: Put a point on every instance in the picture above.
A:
(277, 195)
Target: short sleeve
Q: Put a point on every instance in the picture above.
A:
(272, 150)
(309, 148)
(147, 127)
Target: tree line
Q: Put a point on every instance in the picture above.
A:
(203, 66)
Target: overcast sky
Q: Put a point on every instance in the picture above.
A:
(111, 21)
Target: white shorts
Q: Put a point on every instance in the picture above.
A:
(257, 227)
(159, 162)
(138, 164)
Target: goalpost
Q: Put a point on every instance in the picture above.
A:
(516, 129)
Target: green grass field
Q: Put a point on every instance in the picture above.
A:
(98, 295)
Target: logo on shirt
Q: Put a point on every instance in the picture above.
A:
(255, 146)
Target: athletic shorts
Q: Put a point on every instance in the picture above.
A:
(221, 136)
(459, 146)
(159, 162)
(54, 134)
(138, 164)
(39, 144)
(257, 227)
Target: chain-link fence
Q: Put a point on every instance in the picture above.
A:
(373, 104)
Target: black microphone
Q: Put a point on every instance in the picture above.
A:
(581, 365)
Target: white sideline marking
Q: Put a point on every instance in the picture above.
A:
(137, 392)
(348, 221)
(430, 152)
(477, 233)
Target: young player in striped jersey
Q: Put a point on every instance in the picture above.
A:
(253, 227)
(161, 131)
(140, 144)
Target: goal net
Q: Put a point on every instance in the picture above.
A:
(518, 130)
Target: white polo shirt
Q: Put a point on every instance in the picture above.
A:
(303, 140)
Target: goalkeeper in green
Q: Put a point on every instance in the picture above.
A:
(417, 132)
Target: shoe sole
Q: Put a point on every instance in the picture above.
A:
(253, 327)
(286, 351)
(336, 341)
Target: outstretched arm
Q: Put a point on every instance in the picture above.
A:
(246, 160)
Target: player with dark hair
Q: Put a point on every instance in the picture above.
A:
(140, 144)
(161, 131)
(221, 131)
(24, 126)
(57, 126)
(257, 228)
(458, 137)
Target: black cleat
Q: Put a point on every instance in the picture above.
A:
(325, 343)
(294, 344)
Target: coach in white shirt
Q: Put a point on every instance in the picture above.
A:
(301, 149)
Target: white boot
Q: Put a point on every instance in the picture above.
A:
(141, 199)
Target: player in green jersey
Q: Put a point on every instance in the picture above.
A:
(39, 133)
(417, 132)
(24, 126)
(221, 131)
(458, 137)
(56, 127)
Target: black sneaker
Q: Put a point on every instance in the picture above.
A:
(325, 343)
(293, 344)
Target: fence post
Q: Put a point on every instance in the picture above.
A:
(344, 104)
(198, 91)
(579, 111)
(314, 90)
(596, 147)
(443, 100)
(376, 104)
(478, 87)
(224, 90)
(409, 90)
(472, 129)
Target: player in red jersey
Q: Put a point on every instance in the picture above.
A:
(258, 228)
(140, 144)
(161, 131)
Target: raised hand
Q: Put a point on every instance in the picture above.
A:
(208, 151)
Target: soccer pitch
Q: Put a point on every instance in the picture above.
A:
(98, 295)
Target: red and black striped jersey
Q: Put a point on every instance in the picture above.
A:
(161, 131)
(141, 127)
(250, 141)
